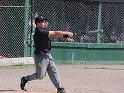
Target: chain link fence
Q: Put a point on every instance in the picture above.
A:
(14, 31)
(91, 21)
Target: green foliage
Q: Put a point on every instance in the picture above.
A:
(16, 66)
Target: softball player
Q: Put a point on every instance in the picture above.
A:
(43, 60)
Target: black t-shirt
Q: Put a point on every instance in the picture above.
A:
(42, 41)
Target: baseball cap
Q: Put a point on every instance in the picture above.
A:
(40, 19)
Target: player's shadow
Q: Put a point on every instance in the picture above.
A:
(103, 68)
(6, 90)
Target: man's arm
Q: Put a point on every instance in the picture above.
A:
(59, 34)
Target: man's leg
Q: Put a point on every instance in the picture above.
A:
(53, 74)
(41, 63)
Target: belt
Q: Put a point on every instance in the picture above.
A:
(44, 52)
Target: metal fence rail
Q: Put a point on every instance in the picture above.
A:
(92, 21)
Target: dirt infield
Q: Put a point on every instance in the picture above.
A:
(75, 79)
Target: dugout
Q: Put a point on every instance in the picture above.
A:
(101, 51)
(88, 53)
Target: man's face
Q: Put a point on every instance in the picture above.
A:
(42, 24)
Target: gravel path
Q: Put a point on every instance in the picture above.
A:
(75, 79)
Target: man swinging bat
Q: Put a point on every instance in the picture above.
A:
(42, 58)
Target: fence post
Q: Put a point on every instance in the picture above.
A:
(99, 22)
(26, 26)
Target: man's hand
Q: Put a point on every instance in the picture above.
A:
(70, 34)
(69, 40)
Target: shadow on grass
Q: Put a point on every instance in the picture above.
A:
(6, 90)
(103, 68)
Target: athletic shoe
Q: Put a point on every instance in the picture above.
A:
(61, 90)
(23, 83)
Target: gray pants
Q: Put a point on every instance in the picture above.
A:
(45, 63)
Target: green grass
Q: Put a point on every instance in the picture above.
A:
(17, 66)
